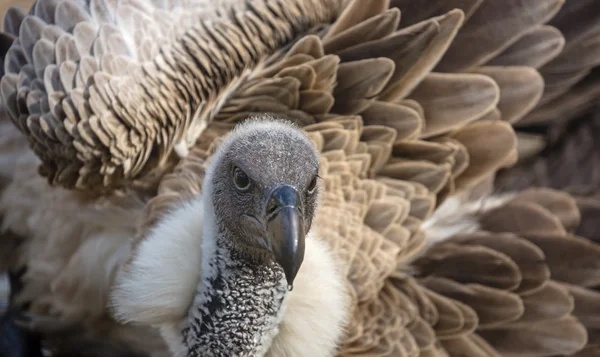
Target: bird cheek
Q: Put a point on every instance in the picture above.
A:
(307, 224)
(254, 232)
(309, 209)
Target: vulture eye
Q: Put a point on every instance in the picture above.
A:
(313, 185)
(240, 179)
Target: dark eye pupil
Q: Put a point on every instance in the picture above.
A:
(241, 179)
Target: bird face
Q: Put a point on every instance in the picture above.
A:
(264, 192)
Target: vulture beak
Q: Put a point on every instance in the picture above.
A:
(285, 228)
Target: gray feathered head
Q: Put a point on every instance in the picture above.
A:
(263, 185)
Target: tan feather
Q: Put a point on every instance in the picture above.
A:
(410, 107)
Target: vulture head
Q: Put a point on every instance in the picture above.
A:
(262, 186)
(216, 272)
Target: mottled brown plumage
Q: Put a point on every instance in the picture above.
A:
(410, 105)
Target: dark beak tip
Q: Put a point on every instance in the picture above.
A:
(291, 270)
(290, 280)
(285, 226)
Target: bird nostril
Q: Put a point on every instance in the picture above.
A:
(282, 196)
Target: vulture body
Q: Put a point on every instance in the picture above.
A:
(116, 116)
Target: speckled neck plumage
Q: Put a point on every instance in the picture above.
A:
(238, 310)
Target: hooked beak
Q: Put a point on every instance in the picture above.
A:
(285, 227)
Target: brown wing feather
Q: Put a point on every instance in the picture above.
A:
(408, 114)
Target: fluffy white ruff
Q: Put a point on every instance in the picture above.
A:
(159, 284)
(318, 308)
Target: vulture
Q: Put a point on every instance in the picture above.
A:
(296, 178)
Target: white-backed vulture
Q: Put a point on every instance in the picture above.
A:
(117, 114)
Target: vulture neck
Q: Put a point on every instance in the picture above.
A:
(240, 301)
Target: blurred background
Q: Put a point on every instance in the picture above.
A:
(5, 4)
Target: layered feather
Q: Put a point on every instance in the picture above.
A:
(410, 104)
